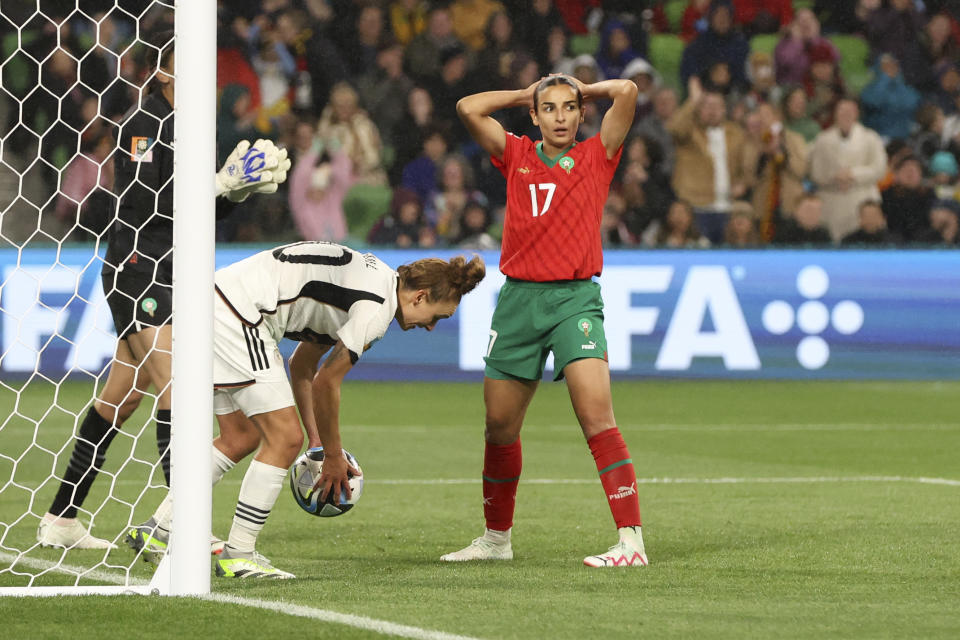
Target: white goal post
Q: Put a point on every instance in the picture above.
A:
(193, 266)
(27, 569)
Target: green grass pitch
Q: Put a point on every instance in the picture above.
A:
(771, 509)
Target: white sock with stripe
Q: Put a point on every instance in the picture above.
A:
(164, 513)
(258, 493)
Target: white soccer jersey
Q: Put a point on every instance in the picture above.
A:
(312, 292)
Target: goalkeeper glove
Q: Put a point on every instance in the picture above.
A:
(257, 168)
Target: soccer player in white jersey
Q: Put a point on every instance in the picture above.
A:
(332, 300)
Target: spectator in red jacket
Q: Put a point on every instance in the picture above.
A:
(762, 16)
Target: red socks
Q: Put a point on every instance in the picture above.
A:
(501, 474)
(617, 476)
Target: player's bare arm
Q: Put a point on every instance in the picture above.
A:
(619, 118)
(303, 366)
(326, 407)
(475, 111)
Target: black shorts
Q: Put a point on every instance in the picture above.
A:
(140, 295)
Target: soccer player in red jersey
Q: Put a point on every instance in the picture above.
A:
(556, 190)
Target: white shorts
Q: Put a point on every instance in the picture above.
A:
(248, 369)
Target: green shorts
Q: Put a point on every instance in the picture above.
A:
(534, 318)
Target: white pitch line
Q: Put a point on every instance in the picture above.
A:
(358, 622)
(384, 627)
(76, 571)
(406, 631)
(720, 480)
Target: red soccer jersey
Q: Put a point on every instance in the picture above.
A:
(552, 226)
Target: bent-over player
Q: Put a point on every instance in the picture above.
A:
(334, 301)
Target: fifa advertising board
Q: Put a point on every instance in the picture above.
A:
(694, 314)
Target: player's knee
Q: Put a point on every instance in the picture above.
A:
(289, 445)
(592, 425)
(110, 412)
(501, 429)
(118, 413)
(244, 444)
(127, 407)
(236, 447)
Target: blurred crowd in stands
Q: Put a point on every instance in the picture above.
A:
(758, 122)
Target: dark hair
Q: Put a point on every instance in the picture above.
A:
(442, 279)
(488, 28)
(927, 115)
(437, 128)
(846, 97)
(160, 47)
(788, 92)
(553, 81)
(910, 157)
(693, 231)
(897, 145)
(653, 148)
(403, 196)
(450, 52)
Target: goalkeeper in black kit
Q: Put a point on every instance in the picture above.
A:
(137, 278)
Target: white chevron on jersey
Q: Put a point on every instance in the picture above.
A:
(313, 292)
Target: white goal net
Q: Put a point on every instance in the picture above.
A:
(84, 435)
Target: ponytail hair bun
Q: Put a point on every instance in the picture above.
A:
(465, 276)
(444, 280)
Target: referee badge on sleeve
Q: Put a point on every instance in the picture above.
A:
(141, 149)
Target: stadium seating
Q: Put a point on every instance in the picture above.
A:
(666, 50)
(765, 42)
(584, 43)
(673, 10)
(853, 60)
(388, 155)
(363, 206)
(16, 69)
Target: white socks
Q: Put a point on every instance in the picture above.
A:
(258, 493)
(57, 521)
(221, 465)
(633, 536)
(498, 537)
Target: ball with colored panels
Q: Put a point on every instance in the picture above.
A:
(302, 480)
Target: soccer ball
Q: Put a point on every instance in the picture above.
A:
(301, 484)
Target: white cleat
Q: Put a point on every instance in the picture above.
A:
(216, 545)
(72, 535)
(622, 554)
(481, 549)
(234, 564)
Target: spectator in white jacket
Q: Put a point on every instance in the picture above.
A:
(846, 163)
